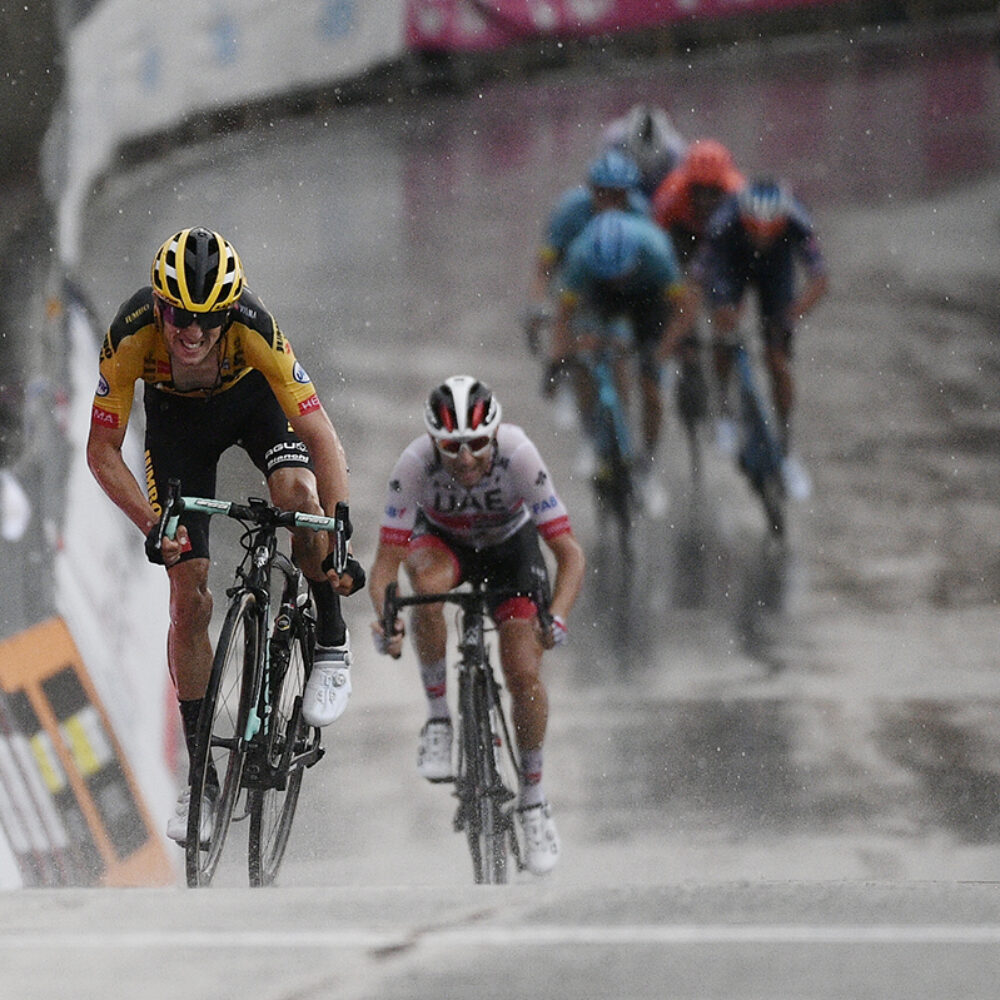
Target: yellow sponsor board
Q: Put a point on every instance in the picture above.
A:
(104, 834)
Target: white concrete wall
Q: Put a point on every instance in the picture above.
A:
(136, 68)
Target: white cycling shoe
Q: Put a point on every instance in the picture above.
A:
(796, 479)
(727, 436)
(651, 494)
(329, 686)
(434, 751)
(177, 825)
(541, 840)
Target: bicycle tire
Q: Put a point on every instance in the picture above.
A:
(613, 479)
(487, 829)
(772, 495)
(691, 396)
(221, 744)
(506, 770)
(272, 808)
(760, 457)
(274, 799)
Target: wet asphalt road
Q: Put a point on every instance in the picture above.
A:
(730, 711)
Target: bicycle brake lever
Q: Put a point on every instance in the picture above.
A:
(171, 512)
(340, 537)
(390, 611)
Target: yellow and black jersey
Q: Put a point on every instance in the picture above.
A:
(134, 349)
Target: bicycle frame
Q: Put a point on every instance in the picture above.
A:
(485, 748)
(608, 427)
(251, 717)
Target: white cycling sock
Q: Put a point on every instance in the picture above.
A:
(532, 793)
(435, 679)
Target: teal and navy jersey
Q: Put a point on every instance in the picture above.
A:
(657, 270)
(573, 211)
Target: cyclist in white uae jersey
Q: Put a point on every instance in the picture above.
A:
(468, 502)
(515, 490)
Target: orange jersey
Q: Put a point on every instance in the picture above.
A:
(134, 349)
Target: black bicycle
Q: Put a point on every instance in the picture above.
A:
(760, 456)
(253, 746)
(486, 776)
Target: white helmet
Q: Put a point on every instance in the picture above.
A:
(648, 136)
(462, 409)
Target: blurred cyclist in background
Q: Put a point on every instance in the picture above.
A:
(623, 270)
(683, 204)
(689, 195)
(217, 372)
(467, 502)
(612, 182)
(760, 238)
(647, 135)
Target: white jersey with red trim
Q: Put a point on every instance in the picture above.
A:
(517, 488)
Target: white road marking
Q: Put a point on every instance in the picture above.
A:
(503, 937)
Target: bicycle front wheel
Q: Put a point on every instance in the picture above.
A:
(273, 802)
(483, 792)
(692, 394)
(221, 745)
(613, 485)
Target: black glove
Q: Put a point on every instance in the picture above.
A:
(357, 574)
(533, 322)
(354, 569)
(153, 551)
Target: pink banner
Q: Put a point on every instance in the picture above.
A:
(491, 24)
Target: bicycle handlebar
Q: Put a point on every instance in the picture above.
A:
(467, 600)
(255, 512)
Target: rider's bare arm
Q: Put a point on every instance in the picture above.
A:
(570, 567)
(104, 457)
(329, 461)
(562, 340)
(385, 570)
(815, 288)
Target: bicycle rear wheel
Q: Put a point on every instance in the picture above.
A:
(273, 803)
(221, 746)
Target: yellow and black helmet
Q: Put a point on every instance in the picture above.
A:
(197, 270)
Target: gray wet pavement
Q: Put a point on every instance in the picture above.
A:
(685, 942)
(728, 711)
(727, 706)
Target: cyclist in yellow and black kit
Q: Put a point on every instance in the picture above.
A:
(217, 371)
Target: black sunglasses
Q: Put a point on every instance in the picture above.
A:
(183, 318)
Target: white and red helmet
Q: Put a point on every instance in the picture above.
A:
(462, 409)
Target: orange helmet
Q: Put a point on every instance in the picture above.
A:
(710, 164)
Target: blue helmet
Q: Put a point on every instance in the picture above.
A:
(613, 169)
(765, 201)
(612, 245)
